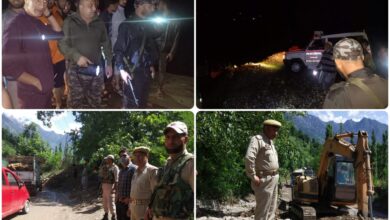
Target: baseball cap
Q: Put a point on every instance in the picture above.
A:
(348, 49)
(178, 126)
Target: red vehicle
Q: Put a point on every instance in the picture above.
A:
(15, 195)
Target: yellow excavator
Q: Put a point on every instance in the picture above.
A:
(343, 178)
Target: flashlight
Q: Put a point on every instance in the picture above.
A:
(159, 20)
(43, 37)
(97, 70)
(315, 72)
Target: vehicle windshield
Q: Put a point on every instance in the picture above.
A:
(345, 174)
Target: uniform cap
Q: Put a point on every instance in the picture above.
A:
(272, 122)
(178, 126)
(348, 49)
(110, 157)
(141, 149)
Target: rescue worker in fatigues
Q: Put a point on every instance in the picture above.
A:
(85, 37)
(362, 88)
(261, 166)
(173, 197)
(142, 183)
(109, 174)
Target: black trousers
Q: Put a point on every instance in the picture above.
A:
(141, 86)
(121, 210)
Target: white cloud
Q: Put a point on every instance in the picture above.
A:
(73, 126)
(327, 116)
(60, 123)
(343, 116)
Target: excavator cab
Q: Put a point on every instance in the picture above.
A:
(340, 188)
(343, 178)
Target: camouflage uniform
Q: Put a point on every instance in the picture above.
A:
(176, 176)
(362, 89)
(109, 178)
(84, 90)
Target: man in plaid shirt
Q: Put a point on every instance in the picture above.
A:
(124, 185)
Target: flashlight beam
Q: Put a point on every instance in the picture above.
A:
(165, 20)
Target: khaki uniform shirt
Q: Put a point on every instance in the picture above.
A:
(260, 156)
(143, 182)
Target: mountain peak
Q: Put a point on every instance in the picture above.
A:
(315, 128)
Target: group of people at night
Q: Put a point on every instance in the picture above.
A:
(73, 49)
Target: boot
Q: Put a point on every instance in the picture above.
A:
(105, 217)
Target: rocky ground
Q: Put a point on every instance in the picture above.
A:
(261, 88)
(179, 94)
(243, 209)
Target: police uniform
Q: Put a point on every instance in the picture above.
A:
(142, 185)
(261, 160)
(175, 206)
(108, 184)
(362, 88)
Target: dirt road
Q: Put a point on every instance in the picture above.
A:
(243, 209)
(50, 204)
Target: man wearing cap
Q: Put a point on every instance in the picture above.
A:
(261, 166)
(361, 88)
(173, 197)
(109, 183)
(136, 54)
(124, 185)
(142, 184)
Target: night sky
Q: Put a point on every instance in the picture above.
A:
(250, 30)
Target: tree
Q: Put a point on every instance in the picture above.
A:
(341, 129)
(104, 133)
(222, 141)
(329, 131)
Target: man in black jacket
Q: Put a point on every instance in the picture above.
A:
(136, 52)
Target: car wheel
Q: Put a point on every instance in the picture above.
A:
(26, 207)
(296, 67)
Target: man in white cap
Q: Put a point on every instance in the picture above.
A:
(109, 183)
(261, 166)
(173, 197)
(142, 183)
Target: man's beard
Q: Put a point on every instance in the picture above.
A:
(175, 150)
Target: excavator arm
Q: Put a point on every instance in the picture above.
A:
(360, 155)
